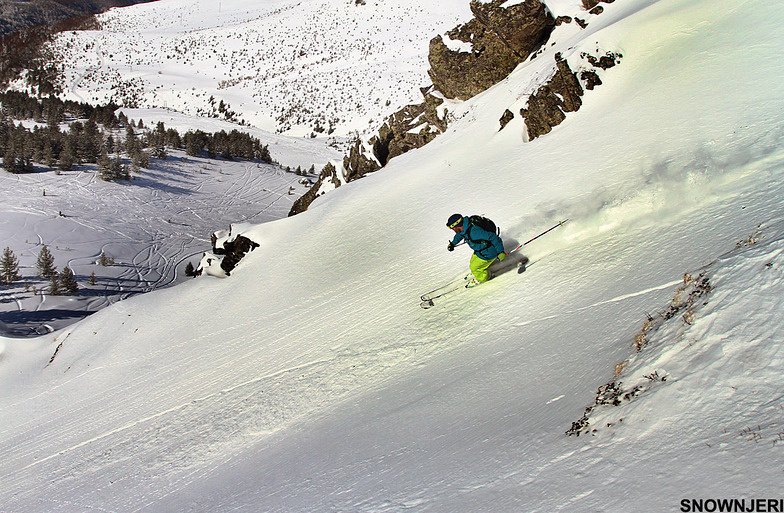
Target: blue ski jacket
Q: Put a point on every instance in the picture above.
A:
(486, 245)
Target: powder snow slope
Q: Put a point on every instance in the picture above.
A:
(310, 380)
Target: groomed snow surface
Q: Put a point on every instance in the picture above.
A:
(311, 381)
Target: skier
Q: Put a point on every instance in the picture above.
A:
(479, 233)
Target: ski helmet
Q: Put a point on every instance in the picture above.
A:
(454, 220)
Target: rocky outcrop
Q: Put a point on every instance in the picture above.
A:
(233, 251)
(304, 201)
(227, 251)
(593, 5)
(590, 79)
(482, 52)
(357, 163)
(498, 38)
(548, 106)
(507, 116)
(411, 127)
(606, 61)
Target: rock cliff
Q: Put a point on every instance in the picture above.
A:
(482, 52)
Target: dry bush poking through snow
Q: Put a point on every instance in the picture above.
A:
(685, 300)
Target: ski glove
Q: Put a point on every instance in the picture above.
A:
(501, 257)
(450, 247)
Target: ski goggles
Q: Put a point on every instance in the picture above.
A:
(452, 226)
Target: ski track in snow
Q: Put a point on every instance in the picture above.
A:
(617, 299)
(146, 225)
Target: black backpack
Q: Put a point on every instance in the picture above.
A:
(484, 223)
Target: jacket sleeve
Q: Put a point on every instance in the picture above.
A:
(457, 238)
(498, 244)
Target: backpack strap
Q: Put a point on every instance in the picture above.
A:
(487, 243)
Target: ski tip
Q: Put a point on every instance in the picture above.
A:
(427, 304)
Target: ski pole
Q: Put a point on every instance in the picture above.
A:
(560, 223)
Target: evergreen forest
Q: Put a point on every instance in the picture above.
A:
(66, 134)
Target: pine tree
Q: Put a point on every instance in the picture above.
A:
(119, 169)
(133, 147)
(67, 157)
(140, 159)
(68, 283)
(9, 267)
(105, 167)
(45, 264)
(90, 142)
(156, 139)
(9, 159)
(132, 143)
(54, 284)
(48, 155)
(173, 139)
(192, 144)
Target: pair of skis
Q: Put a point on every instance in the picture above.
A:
(452, 286)
(462, 283)
(465, 282)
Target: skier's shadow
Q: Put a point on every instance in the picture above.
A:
(514, 261)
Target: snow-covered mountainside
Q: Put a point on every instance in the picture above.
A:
(313, 67)
(310, 380)
(20, 14)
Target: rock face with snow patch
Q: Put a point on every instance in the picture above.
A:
(227, 251)
(485, 50)
(411, 127)
(476, 56)
(548, 106)
(303, 202)
(233, 251)
(593, 5)
(499, 37)
(358, 163)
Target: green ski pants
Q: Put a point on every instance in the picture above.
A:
(479, 267)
